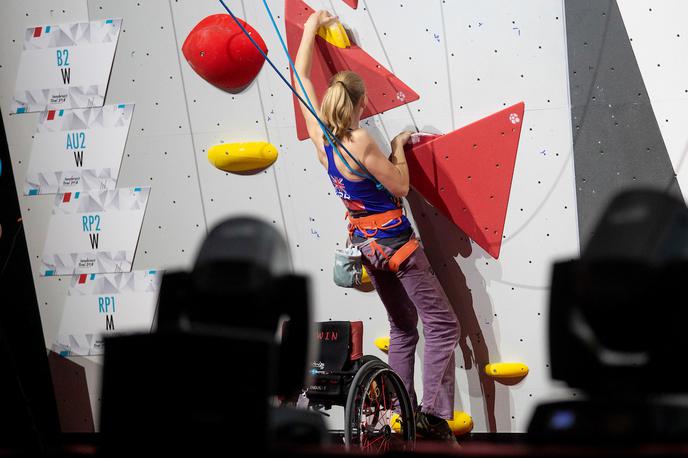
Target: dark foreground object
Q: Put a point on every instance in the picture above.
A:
(475, 445)
(205, 379)
(28, 409)
(617, 328)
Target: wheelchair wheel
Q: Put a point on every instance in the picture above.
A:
(378, 395)
(369, 358)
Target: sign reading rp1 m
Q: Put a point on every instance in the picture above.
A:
(78, 150)
(94, 231)
(100, 305)
(65, 66)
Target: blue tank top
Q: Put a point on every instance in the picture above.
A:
(362, 198)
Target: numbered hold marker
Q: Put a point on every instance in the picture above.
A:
(506, 370)
(242, 157)
(65, 66)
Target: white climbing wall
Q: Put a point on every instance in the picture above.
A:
(145, 72)
(501, 53)
(17, 15)
(465, 59)
(659, 37)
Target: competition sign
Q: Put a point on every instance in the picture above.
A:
(65, 66)
(94, 231)
(100, 305)
(78, 150)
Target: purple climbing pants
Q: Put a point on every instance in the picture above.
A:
(414, 290)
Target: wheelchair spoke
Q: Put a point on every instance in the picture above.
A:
(377, 435)
(385, 418)
(376, 397)
(381, 445)
(373, 442)
(384, 398)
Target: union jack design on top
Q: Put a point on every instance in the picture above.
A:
(339, 187)
(338, 184)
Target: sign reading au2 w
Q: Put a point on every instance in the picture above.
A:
(65, 66)
(78, 150)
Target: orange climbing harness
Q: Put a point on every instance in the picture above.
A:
(371, 224)
(402, 254)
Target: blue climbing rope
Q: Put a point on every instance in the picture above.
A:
(307, 103)
(310, 103)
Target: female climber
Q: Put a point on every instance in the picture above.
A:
(397, 265)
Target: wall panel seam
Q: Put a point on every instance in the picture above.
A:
(188, 114)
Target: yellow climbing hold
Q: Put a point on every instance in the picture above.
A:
(242, 157)
(506, 370)
(395, 422)
(365, 278)
(335, 34)
(382, 343)
(462, 423)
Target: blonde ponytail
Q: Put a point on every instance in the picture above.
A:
(341, 99)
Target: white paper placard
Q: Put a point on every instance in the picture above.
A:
(97, 306)
(94, 231)
(78, 150)
(65, 66)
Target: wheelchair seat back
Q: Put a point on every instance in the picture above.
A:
(340, 346)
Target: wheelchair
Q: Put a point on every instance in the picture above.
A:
(378, 412)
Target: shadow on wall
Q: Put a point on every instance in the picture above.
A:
(443, 242)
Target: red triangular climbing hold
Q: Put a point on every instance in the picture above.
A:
(385, 91)
(352, 3)
(467, 174)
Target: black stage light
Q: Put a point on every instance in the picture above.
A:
(205, 377)
(617, 325)
(185, 391)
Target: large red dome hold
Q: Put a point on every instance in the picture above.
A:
(222, 54)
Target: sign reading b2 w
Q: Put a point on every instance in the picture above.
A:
(65, 66)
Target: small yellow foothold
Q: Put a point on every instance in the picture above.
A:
(242, 157)
(335, 34)
(382, 343)
(506, 370)
(395, 422)
(462, 423)
(365, 278)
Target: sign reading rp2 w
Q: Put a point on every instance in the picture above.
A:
(78, 150)
(65, 66)
(94, 232)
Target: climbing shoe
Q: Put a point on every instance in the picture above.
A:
(433, 428)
